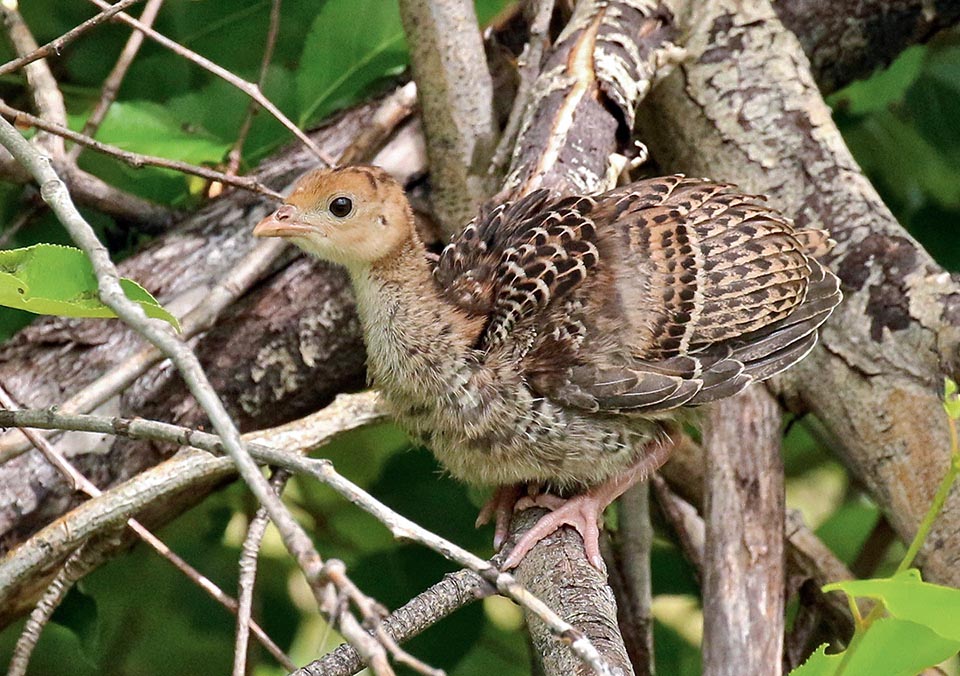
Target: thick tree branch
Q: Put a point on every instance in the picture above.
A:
(744, 107)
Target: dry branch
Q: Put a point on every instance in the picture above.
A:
(743, 567)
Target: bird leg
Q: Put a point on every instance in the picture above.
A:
(500, 508)
(583, 512)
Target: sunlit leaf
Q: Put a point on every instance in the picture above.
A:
(907, 597)
(50, 279)
(892, 647)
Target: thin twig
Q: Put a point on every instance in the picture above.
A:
(298, 543)
(56, 45)
(247, 88)
(137, 160)
(111, 86)
(453, 592)
(322, 470)
(84, 485)
(236, 152)
(81, 562)
(41, 85)
(249, 553)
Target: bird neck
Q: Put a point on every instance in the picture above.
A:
(416, 339)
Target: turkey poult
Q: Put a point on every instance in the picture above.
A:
(554, 341)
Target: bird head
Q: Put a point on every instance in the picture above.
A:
(353, 215)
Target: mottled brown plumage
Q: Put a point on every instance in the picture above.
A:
(553, 340)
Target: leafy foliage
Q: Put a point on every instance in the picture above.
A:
(50, 279)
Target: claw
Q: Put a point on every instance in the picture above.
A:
(584, 512)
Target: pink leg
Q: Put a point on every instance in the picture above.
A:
(500, 507)
(583, 512)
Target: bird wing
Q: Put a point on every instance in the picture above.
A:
(518, 259)
(712, 290)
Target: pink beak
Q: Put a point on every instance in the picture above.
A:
(281, 223)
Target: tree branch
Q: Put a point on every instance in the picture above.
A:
(456, 96)
(743, 567)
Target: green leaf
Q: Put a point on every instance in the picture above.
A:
(892, 647)
(351, 45)
(883, 89)
(907, 597)
(50, 279)
(152, 129)
(951, 402)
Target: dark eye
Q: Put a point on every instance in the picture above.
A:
(341, 206)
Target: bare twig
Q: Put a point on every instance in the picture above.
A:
(81, 483)
(41, 85)
(248, 573)
(56, 46)
(111, 86)
(247, 88)
(48, 102)
(321, 470)
(137, 160)
(55, 194)
(236, 152)
(81, 562)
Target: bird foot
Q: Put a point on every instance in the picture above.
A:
(582, 512)
(500, 508)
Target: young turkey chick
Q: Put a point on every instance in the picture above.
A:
(555, 340)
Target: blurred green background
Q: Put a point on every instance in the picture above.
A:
(136, 615)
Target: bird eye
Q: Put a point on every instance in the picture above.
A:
(341, 207)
